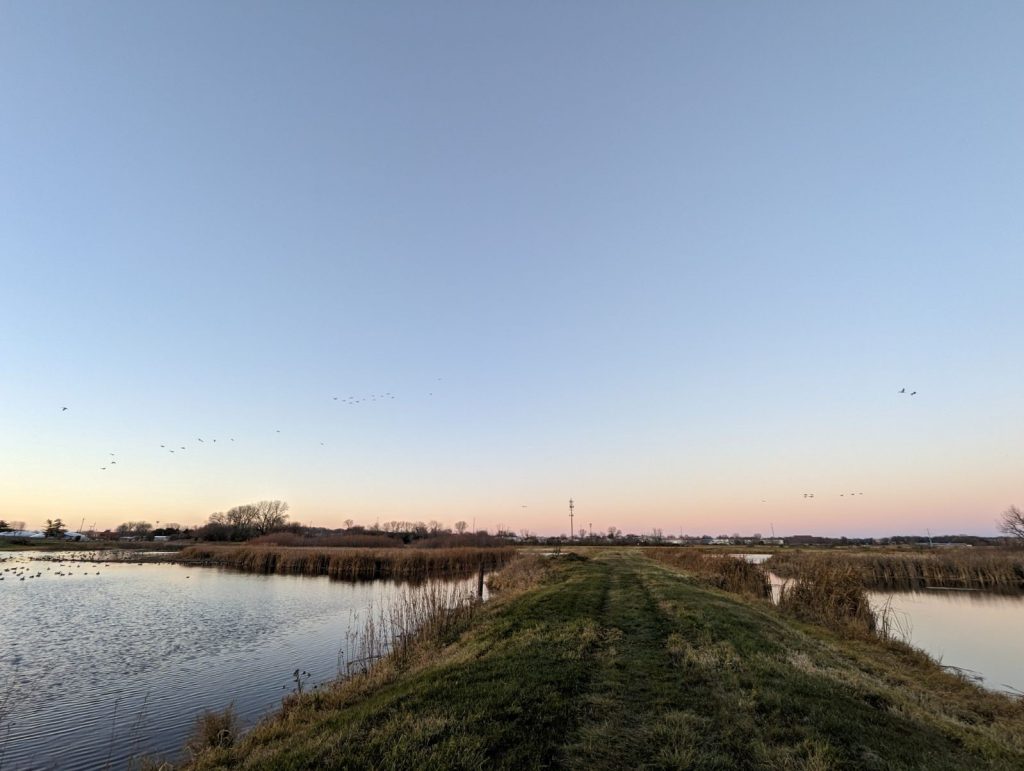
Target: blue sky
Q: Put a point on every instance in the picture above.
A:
(672, 259)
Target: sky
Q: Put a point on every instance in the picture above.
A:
(675, 260)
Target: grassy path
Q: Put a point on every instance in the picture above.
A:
(618, 662)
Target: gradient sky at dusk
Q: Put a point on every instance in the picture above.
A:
(672, 259)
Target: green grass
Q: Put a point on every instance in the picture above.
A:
(618, 662)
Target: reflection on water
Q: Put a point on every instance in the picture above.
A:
(973, 631)
(977, 632)
(103, 662)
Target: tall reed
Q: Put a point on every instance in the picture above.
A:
(966, 568)
(426, 614)
(832, 595)
(722, 571)
(351, 564)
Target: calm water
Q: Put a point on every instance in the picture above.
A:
(108, 662)
(977, 632)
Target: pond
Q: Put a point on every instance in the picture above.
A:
(102, 663)
(973, 631)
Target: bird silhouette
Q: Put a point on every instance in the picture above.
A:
(63, 409)
(902, 391)
(913, 393)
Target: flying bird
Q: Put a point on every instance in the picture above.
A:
(63, 409)
(913, 393)
(902, 391)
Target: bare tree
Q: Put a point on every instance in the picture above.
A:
(269, 516)
(1011, 523)
(135, 529)
(460, 527)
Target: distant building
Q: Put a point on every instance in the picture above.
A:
(22, 534)
(70, 535)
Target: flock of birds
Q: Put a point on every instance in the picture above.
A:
(850, 495)
(346, 400)
(385, 396)
(24, 569)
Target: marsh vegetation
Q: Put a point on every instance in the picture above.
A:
(982, 568)
(618, 661)
(351, 564)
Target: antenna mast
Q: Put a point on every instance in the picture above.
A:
(572, 506)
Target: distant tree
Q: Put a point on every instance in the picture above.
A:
(613, 533)
(1011, 523)
(247, 521)
(270, 516)
(134, 529)
(460, 527)
(4, 526)
(348, 524)
(55, 528)
(214, 530)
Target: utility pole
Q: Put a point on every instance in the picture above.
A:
(571, 512)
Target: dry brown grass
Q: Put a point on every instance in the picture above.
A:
(965, 568)
(719, 570)
(214, 730)
(351, 564)
(832, 595)
(525, 572)
(350, 541)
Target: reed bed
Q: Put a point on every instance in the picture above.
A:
(831, 595)
(722, 571)
(990, 569)
(348, 540)
(422, 616)
(351, 564)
